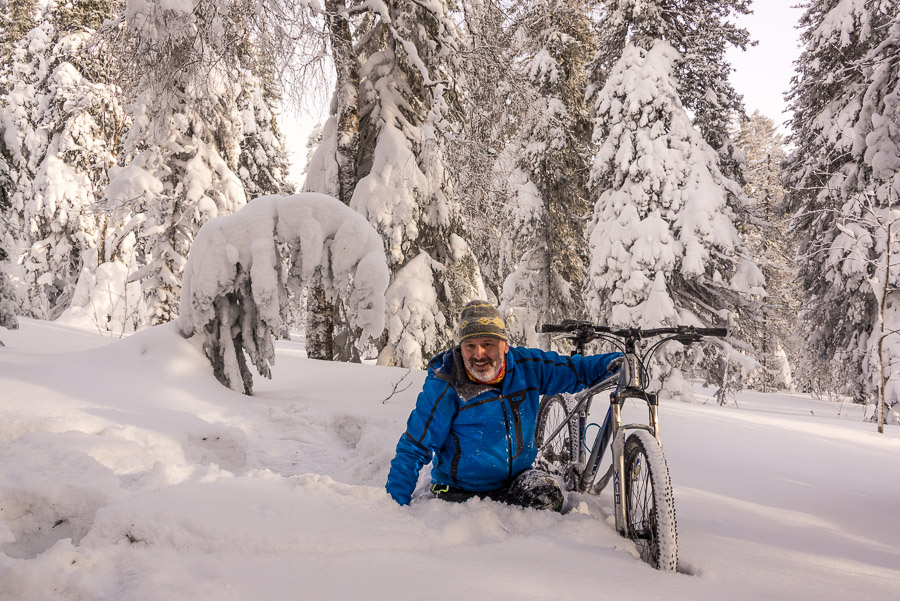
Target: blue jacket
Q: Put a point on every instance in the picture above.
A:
(478, 435)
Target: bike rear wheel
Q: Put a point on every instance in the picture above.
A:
(649, 504)
(563, 449)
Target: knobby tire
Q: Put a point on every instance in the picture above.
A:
(649, 505)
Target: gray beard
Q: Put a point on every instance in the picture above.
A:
(491, 375)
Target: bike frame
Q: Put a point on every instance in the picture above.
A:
(628, 383)
(612, 434)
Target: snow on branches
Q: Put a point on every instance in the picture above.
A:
(664, 245)
(664, 206)
(234, 288)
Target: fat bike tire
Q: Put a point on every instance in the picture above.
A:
(563, 450)
(649, 504)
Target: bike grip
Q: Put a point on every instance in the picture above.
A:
(721, 332)
(552, 327)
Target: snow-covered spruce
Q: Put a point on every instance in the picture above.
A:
(203, 137)
(844, 184)
(405, 96)
(59, 121)
(543, 242)
(234, 287)
(664, 245)
(770, 242)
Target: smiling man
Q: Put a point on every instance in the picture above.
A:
(477, 412)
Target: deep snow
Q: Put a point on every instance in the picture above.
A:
(127, 472)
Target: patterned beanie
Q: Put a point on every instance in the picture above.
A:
(480, 318)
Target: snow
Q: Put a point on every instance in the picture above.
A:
(235, 261)
(413, 320)
(128, 472)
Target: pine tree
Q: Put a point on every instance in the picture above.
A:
(332, 170)
(700, 30)
(8, 317)
(544, 224)
(406, 95)
(262, 159)
(262, 162)
(60, 122)
(839, 187)
(496, 100)
(17, 18)
(773, 249)
(338, 176)
(409, 98)
(205, 128)
(879, 124)
(665, 248)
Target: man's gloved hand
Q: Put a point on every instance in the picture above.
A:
(615, 364)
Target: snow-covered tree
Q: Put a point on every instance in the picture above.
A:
(235, 286)
(880, 180)
(843, 186)
(60, 120)
(701, 31)
(543, 227)
(332, 169)
(8, 317)
(664, 245)
(17, 18)
(204, 130)
(772, 247)
(407, 91)
(262, 161)
(496, 99)
(406, 95)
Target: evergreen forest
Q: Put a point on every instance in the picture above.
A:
(564, 159)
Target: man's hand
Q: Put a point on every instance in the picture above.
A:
(615, 364)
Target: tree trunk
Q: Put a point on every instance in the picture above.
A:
(882, 382)
(346, 98)
(319, 321)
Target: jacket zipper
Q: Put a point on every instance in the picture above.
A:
(509, 449)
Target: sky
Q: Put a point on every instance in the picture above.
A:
(128, 473)
(763, 73)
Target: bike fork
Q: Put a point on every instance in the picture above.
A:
(618, 459)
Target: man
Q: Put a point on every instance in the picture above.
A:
(477, 412)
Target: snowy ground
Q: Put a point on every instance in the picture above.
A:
(128, 473)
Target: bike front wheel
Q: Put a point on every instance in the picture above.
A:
(563, 449)
(649, 505)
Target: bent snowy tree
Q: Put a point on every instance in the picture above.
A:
(235, 291)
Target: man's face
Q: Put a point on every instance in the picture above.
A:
(483, 356)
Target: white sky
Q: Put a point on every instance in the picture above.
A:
(763, 73)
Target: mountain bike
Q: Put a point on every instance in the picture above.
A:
(642, 491)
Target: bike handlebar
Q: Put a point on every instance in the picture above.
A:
(573, 326)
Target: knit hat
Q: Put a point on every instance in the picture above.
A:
(480, 318)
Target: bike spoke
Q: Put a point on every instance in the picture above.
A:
(556, 454)
(642, 528)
